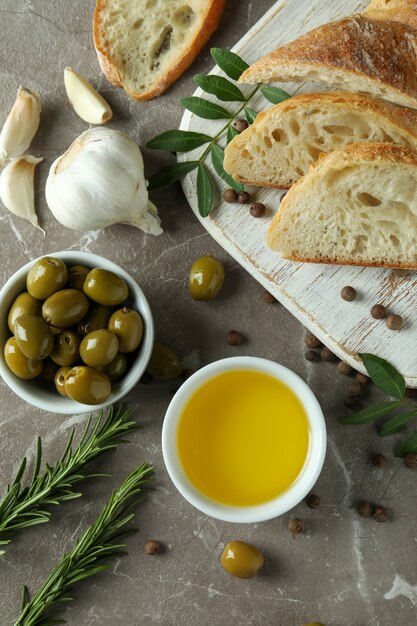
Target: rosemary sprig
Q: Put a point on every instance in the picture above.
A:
(24, 506)
(100, 542)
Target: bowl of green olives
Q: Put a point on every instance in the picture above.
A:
(76, 332)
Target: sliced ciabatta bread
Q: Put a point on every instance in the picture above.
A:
(405, 15)
(375, 5)
(355, 206)
(373, 57)
(282, 143)
(144, 45)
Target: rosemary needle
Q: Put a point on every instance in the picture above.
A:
(24, 506)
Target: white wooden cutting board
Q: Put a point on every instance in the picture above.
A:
(311, 292)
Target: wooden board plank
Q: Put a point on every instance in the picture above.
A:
(310, 292)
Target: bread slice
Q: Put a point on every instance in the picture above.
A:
(372, 57)
(356, 206)
(144, 45)
(405, 15)
(375, 5)
(286, 139)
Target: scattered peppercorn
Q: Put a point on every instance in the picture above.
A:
(410, 460)
(269, 298)
(355, 389)
(310, 355)
(349, 294)
(313, 501)
(152, 547)
(362, 379)
(379, 460)
(296, 526)
(234, 338)
(257, 209)
(380, 514)
(378, 311)
(243, 197)
(365, 509)
(411, 393)
(327, 355)
(344, 368)
(240, 124)
(230, 195)
(350, 402)
(394, 322)
(312, 341)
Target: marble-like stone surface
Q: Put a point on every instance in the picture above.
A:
(344, 571)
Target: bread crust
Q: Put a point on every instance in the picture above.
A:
(404, 15)
(111, 71)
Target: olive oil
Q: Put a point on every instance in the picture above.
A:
(243, 438)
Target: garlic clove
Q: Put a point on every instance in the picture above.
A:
(86, 101)
(17, 188)
(20, 126)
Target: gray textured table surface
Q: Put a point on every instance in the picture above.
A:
(344, 571)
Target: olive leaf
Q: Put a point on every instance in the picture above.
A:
(220, 87)
(178, 141)
(204, 191)
(250, 115)
(371, 413)
(205, 109)
(217, 158)
(231, 133)
(409, 445)
(229, 62)
(170, 174)
(384, 375)
(274, 94)
(395, 423)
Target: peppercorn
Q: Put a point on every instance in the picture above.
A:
(411, 393)
(152, 547)
(311, 341)
(313, 501)
(269, 298)
(378, 311)
(348, 293)
(350, 402)
(344, 368)
(230, 195)
(240, 124)
(410, 460)
(365, 509)
(310, 355)
(394, 322)
(362, 379)
(234, 338)
(379, 460)
(257, 209)
(380, 514)
(327, 355)
(355, 389)
(296, 526)
(243, 197)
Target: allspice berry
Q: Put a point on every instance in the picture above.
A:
(313, 501)
(327, 355)
(380, 514)
(269, 298)
(257, 209)
(362, 378)
(344, 368)
(355, 389)
(240, 124)
(310, 355)
(312, 341)
(394, 322)
(378, 311)
(350, 401)
(410, 460)
(230, 195)
(234, 338)
(349, 294)
(379, 460)
(243, 197)
(365, 509)
(152, 547)
(296, 526)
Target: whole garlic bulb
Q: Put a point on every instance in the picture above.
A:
(99, 181)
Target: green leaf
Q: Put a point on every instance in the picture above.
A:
(217, 158)
(274, 95)
(229, 62)
(220, 87)
(204, 191)
(231, 133)
(409, 445)
(250, 115)
(395, 423)
(370, 414)
(205, 109)
(170, 174)
(384, 375)
(178, 141)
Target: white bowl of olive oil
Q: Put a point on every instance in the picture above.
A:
(244, 439)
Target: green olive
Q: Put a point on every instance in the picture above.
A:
(97, 318)
(105, 287)
(241, 559)
(164, 364)
(46, 276)
(66, 348)
(99, 348)
(33, 336)
(116, 369)
(25, 304)
(76, 276)
(65, 308)
(49, 370)
(18, 363)
(206, 278)
(60, 380)
(127, 325)
(87, 385)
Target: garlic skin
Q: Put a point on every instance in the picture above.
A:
(17, 188)
(88, 104)
(99, 181)
(20, 126)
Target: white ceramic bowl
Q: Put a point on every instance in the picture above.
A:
(308, 475)
(48, 399)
